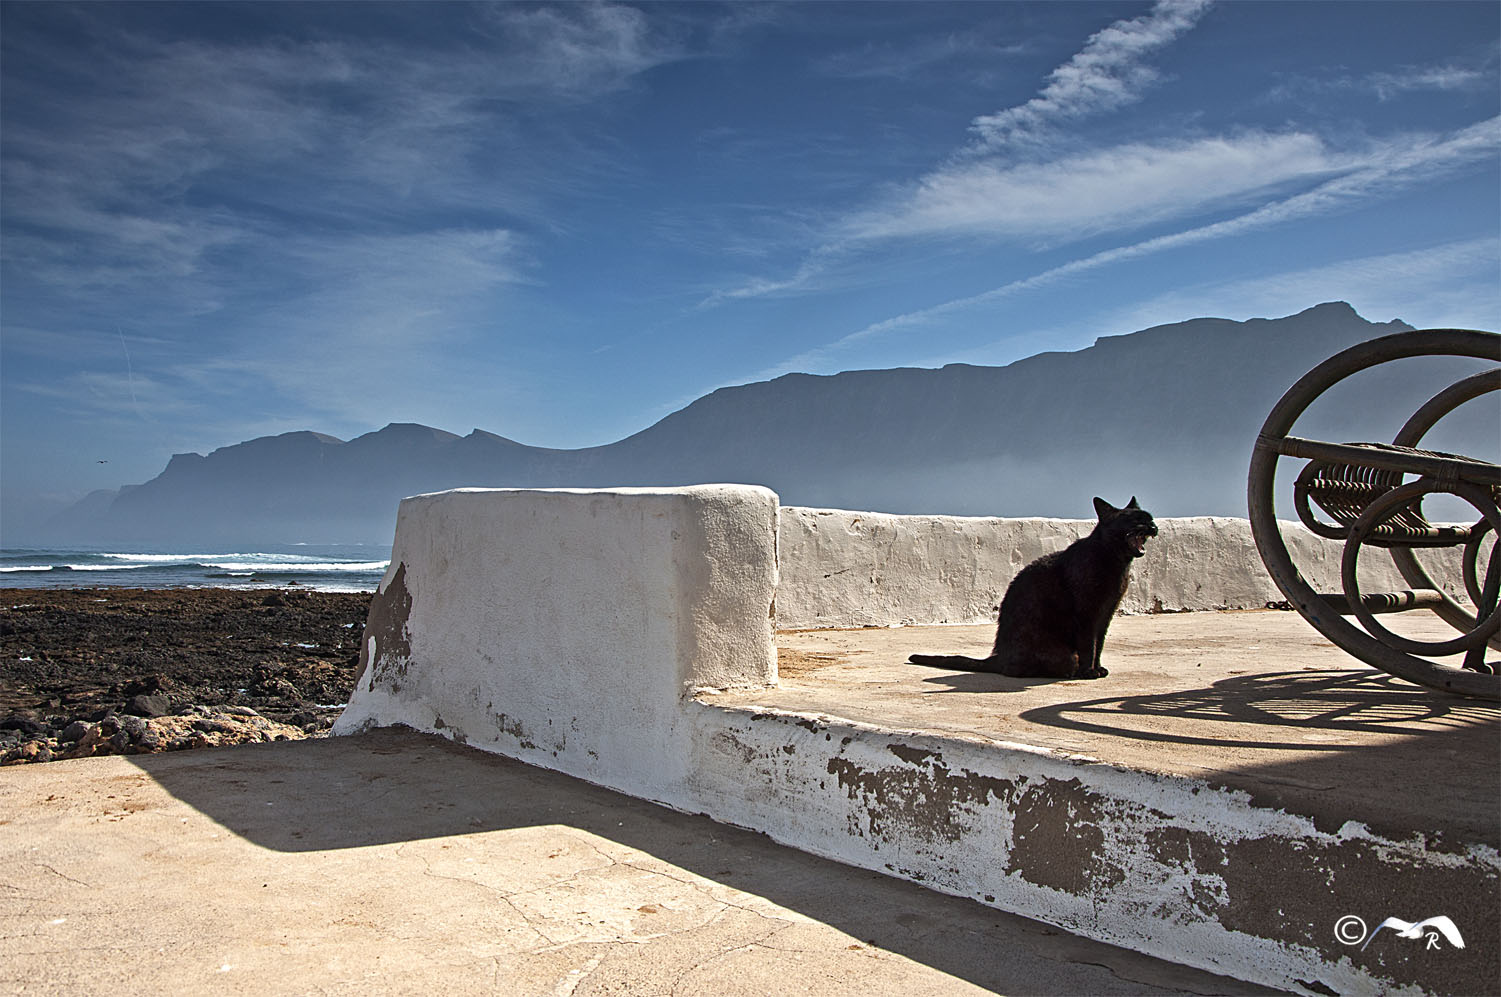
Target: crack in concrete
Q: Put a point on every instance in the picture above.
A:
(697, 884)
(705, 887)
(60, 875)
(570, 983)
(14, 893)
(681, 979)
(505, 898)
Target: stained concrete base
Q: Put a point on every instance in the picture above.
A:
(1255, 701)
(395, 863)
(1235, 794)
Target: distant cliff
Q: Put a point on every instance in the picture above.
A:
(1168, 414)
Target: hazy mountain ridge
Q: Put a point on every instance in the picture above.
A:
(1168, 413)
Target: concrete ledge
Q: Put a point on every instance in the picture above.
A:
(1166, 866)
(1224, 798)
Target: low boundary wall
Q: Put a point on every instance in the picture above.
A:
(570, 629)
(854, 569)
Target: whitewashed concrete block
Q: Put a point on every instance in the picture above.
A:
(564, 627)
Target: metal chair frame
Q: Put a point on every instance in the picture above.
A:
(1373, 492)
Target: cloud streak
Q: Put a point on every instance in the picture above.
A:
(1396, 164)
(1475, 75)
(172, 149)
(986, 189)
(1102, 190)
(1107, 73)
(1446, 77)
(274, 207)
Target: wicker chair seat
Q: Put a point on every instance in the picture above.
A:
(1345, 490)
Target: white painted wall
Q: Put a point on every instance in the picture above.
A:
(563, 627)
(853, 569)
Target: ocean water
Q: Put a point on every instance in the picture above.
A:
(325, 567)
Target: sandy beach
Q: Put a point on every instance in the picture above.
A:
(132, 670)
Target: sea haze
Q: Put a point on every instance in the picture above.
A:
(322, 567)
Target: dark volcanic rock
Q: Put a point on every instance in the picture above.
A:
(141, 705)
(251, 671)
(23, 724)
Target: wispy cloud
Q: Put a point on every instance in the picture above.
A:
(1476, 74)
(171, 149)
(579, 50)
(300, 218)
(987, 189)
(1393, 165)
(371, 311)
(1109, 72)
(1102, 190)
(916, 57)
(1446, 77)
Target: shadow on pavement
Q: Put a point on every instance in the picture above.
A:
(394, 785)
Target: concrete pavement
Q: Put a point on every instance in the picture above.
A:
(394, 862)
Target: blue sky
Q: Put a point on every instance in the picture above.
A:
(560, 223)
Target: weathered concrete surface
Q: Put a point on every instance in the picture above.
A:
(1258, 701)
(397, 863)
(566, 626)
(852, 569)
(1233, 789)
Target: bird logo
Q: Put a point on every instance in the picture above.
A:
(1429, 929)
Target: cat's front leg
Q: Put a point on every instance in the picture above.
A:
(1089, 660)
(1096, 652)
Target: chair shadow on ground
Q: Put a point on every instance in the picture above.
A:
(1346, 700)
(395, 785)
(1369, 747)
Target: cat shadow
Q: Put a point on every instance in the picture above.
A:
(984, 682)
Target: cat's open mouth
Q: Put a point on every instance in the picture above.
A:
(1138, 542)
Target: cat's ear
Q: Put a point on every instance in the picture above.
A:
(1103, 509)
(1132, 504)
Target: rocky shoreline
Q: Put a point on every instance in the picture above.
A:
(129, 671)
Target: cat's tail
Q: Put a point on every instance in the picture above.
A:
(956, 661)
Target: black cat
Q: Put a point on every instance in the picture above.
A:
(1057, 609)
